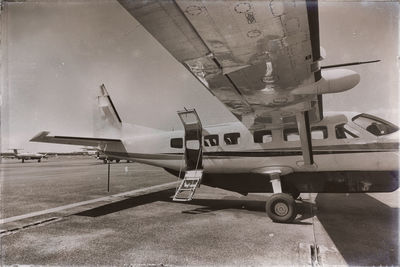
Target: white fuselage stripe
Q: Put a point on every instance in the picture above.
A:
(149, 189)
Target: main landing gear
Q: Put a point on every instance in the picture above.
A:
(280, 207)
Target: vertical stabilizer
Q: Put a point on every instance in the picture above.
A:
(107, 121)
(107, 106)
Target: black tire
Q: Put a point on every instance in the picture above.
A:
(117, 160)
(23, 160)
(104, 161)
(281, 208)
(38, 160)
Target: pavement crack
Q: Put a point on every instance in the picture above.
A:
(315, 256)
(30, 225)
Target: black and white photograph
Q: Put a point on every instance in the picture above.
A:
(199, 132)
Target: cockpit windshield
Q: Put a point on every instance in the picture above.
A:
(374, 125)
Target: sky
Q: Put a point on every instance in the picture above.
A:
(56, 54)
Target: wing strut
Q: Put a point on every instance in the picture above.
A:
(303, 124)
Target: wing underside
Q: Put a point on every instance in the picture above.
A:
(249, 54)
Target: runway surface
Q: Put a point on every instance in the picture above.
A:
(58, 212)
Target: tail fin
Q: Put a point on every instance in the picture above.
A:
(15, 150)
(105, 103)
(107, 121)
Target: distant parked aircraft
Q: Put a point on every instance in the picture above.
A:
(105, 158)
(98, 154)
(28, 156)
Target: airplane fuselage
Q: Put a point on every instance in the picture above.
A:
(345, 154)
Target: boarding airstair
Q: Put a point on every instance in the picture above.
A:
(193, 156)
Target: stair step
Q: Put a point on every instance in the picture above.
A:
(189, 184)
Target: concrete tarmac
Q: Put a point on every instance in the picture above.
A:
(58, 212)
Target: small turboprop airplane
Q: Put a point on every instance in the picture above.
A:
(28, 156)
(262, 60)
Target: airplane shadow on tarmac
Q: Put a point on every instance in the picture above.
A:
(128, 203)
(364, 230)
(208, 205)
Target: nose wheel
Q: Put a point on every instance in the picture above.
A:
(281, 208)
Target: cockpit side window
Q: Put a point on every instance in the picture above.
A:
(345, 132)
(232, 138)
(211, 140)
(176, 143)
(374, 125)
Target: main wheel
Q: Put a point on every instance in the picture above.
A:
(281, 208)
(38, 160)
(117, 160)
(104, 161)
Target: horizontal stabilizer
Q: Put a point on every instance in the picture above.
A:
(101, 143)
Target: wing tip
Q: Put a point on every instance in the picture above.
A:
(40, 136)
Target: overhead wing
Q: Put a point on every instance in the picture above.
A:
(250, 54)
(103, 144)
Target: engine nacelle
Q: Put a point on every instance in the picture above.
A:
(332, 81)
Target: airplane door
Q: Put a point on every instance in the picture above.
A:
(193, 135)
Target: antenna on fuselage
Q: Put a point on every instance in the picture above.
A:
(350, 64)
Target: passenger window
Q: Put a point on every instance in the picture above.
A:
(177, 143)
(232, 138)
(291, 134)
(319, 132)
(211, 140)
(262, 136)
(345, 132)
